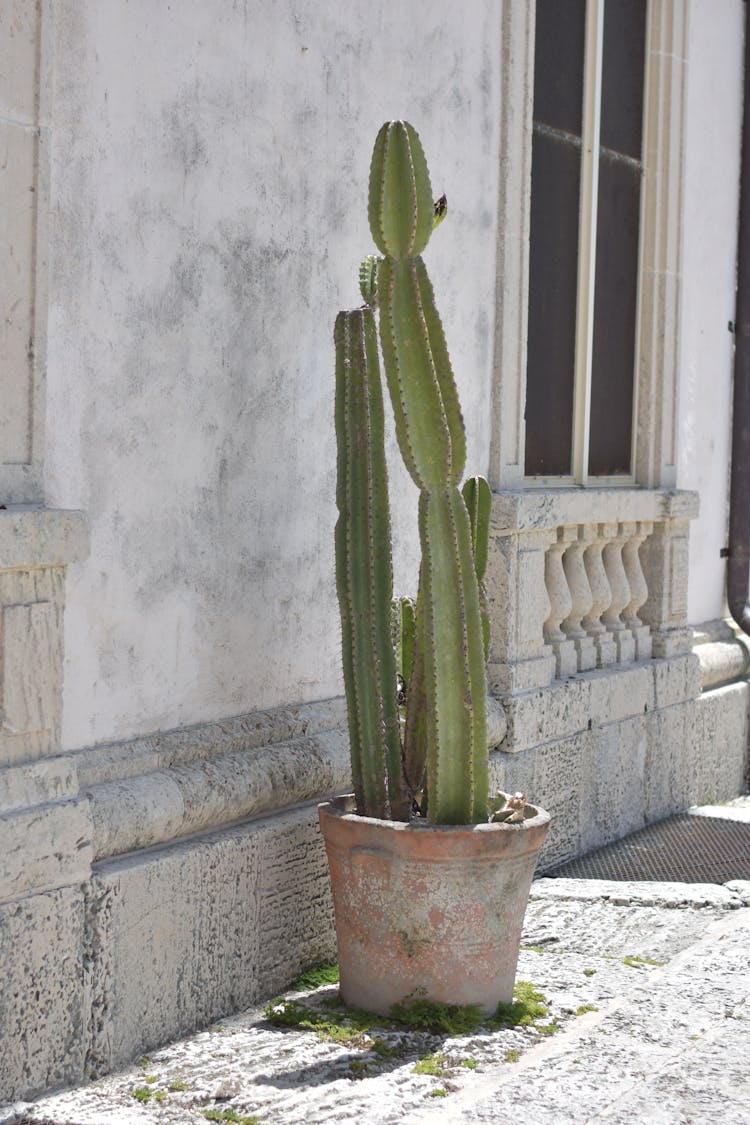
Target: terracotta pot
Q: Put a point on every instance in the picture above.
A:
(431, 910)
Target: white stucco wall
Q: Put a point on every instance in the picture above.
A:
(712, 165)
(209, 169)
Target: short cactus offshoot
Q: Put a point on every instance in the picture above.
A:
(415, 674)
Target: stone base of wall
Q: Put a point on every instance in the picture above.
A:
(184, 890)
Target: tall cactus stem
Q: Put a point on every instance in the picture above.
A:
(478, 499)
(429, 426)
(363, 566)
(445, 721)
(455, 684)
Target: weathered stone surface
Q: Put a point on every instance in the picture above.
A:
(719, 744)
(44, 848)
(37, 783)
(622, 693)
(294, 899)
(34, 545)
(177, 944)
(33, 536)
(182, 935)
(722, 661)
(28, 637)
(669, 765)
(555, 776)
(41, 992)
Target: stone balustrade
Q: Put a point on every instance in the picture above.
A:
(594, 572)
(585, 579)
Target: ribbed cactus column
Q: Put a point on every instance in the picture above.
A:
(431, 437)
(363, 567)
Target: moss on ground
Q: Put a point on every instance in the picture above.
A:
(230, 1115)
(319, 975)
(334, 1021)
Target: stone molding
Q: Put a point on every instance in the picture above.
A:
(25, 89)
(723, 652)
(535, 508)
(660, 281)
(101, 802)
(508, 440)
(134, 795)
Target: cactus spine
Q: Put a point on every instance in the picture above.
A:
(442, 650)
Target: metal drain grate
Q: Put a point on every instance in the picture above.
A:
(681, 849)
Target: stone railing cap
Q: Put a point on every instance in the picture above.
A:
(535, 509)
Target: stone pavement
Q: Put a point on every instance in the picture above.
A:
(648, 990)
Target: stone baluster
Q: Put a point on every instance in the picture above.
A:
(606, 649)
(638, 590)
(664, 558)
(561, 604)
(581, 598)
(519, 659)
(616, 535)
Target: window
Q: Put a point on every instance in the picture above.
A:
(586, 176)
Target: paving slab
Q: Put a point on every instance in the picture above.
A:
(648, 987)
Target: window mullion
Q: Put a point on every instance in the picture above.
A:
(587, 235)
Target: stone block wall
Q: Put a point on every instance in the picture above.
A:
(194, 881)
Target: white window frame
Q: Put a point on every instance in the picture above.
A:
(586, 280)
(659, 272)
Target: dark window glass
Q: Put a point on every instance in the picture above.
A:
(612, 374)
(623, 62)
(558, 63)
(553, 266)
(553, 257)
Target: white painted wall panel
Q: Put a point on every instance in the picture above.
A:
(712, 163)
(208, 216)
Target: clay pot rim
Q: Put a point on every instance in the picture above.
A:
(341, 808)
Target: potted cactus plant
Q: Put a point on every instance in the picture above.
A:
(430, 876)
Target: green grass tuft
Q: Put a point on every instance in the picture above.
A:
(345, 1025)
(334, 1021)
(177, 1085)
(439, 1092)
(512, 1055)
(141, 1094)
(316, 977)
(230, 1115)
(528, 1004)
(440, 1019)
(434, 1065)
(583, 1008)
(633, 961)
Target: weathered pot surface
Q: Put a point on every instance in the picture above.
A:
(434, 911)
